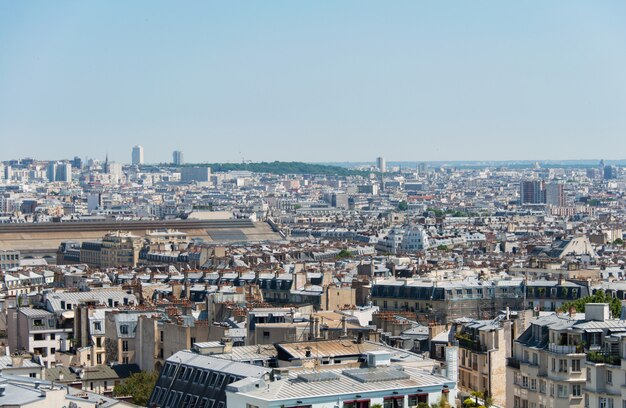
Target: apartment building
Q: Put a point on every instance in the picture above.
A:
(120, 249)
(444, 301)
(39, 332)
(559, 361)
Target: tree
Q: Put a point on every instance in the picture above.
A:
(344, 253)
(403, 206)
(442, 403)
(618, 242)
(139, 386)
(615, 305)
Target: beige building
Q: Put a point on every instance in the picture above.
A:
(120, 249)
(484, 346)
(558, 362)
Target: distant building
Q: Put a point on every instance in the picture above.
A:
(59, 171)
(64, 172)
(51, 173)
(9, 259)
(120, 249)
(177, 158)
(381, 164)
(339, 200)
(116, 172)
(555, 194)
(532, 192)
(137, 155)
(198, 174)
(610, 172)
(77, 163)
(403, 240)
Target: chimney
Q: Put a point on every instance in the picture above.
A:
(228, 345)
(316, 331)
(16, 361)
(344, 329)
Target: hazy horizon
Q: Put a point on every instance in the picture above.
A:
(313, 82)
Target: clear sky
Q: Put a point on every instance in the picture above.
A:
(313, 81)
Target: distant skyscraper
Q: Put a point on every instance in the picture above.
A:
(137, 155)
(532, 192)
(59, 171)
(177, 158)
(77, 163)
(555, 194)
(51, 173)
(64, 172)
(382, 166)
(610, 172)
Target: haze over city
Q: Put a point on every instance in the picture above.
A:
(315, 82)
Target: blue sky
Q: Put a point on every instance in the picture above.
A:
(313, 81)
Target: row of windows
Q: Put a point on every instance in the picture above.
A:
(560, 390)
(207, 378)
(175, 399)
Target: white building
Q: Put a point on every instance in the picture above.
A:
(403, 240)
(381, 382)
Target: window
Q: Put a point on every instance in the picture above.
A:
(576, 365)
(588, 374)
(39, 336)
(393, 402)
(124, 329)
(609, 377)
(53, 350)
(97, 326)
(52, 336)
(605, 402)
(99, 358)
(535, 359)
(524, 381)
(416, 399)
(576, 390)
(533, 384)
(562, 366)
(562, 391)
(542, 386)
(356, 404)
(98, 341)
(124, 345)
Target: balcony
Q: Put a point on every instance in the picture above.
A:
(566, 349)
(470, 344)
(601, 357)
(512, 362)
